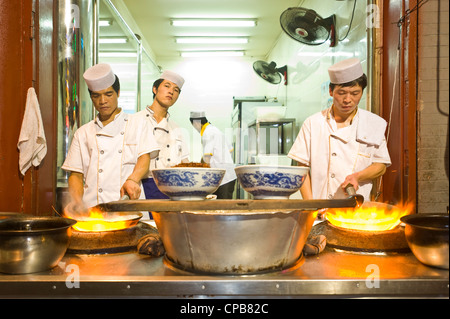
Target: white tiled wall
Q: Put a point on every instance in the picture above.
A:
(433, 108)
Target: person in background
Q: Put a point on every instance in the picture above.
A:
(172, 143)
(343, 144)
(216, 152)
(109, 155)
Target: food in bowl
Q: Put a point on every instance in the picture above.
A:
(271, 181)
(192, 164)
(427, 236)
(188, 183)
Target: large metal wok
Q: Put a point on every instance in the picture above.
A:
(232, 236)
(97, 219)
(108, 221)
(369, 216)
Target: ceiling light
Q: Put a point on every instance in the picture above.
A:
(198, 54)
(325, 54)
(105, 22)
(112, 40)
(117, 54)
(211, 40)
(213, 22)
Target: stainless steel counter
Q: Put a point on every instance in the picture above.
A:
(329, 274)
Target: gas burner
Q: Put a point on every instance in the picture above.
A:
(107, 242)
(360, 241)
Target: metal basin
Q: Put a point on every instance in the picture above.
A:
(427, 237)
(33, 244)
(234, 242)
(5, 215)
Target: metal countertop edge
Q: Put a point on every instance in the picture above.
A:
(148, 286)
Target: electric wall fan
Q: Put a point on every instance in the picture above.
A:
(306, 26)
(270, 72)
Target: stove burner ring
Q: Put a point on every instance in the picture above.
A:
(178, 269)
(362, 241)
(108, 242)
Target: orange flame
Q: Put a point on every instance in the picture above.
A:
(96, 222)
(369, 217)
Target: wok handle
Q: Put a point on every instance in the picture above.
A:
(125, 197)
(350, 189)
(166, 205)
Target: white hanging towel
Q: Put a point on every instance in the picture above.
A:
(32, 144)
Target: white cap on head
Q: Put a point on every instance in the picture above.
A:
(345, 71)
(197, 114)
(173, 77)
(99, 77)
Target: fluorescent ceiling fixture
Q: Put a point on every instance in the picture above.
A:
(198, 54)
(112, 40)
(211, 40)
(104, 22)
(321, 54)
(213, 22)
(117, 54)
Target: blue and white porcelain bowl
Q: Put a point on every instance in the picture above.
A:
(271, 181)
(188, 183)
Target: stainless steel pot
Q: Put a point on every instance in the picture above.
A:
(5, 215)
(427, 236)
(33, 244)
(234, 242)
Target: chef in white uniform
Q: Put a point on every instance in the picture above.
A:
(343, 144)
(216, 152)
(169, 136)
(109, 155)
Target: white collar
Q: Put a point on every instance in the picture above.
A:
(153, 112)
(116, 117)
(113, 127)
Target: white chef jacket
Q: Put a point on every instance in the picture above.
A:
(170, 138)
(107, 155)
(215, 145)
(332, 154)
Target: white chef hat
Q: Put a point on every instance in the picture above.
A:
(345, 71)
(99, 77)
(173, 77)
(197, 114)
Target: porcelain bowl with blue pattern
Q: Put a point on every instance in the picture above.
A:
(188, 183)
(271, 181)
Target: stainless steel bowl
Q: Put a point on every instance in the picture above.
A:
(427, 237)
(234, 242)
(33, 244)
(5, 215)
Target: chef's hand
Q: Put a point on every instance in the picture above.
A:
(131, 188)
(75, 209)
(350, 179)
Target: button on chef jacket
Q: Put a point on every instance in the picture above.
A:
(171, 140)
(107, 155)
(332, 154)
(215, 145)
